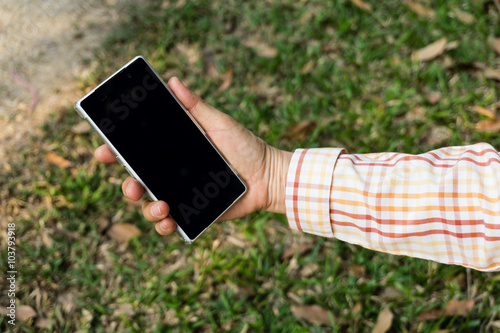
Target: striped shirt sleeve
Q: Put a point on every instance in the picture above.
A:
(443, 205)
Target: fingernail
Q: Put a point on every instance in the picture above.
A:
(156, 210)
(128, 189)
(164, 227)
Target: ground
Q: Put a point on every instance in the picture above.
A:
(310, 73)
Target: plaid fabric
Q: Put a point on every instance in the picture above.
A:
(443, 205)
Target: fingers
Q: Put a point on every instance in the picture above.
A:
(104, 154)
(166, 226)
(185, 96)
(132, 189)
(155, 211)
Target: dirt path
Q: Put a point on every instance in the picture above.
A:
(43, 45)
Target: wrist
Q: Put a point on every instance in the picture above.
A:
(278, 163)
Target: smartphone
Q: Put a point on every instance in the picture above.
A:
(162, 146)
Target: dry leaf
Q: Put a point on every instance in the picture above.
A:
(25, 312)
(419, 9)
(126, 310)
(308, 67)
(46, 239)
(384, 321)
(262, 49)
(433, 97)
(103, 224)
(299, 249)
(485, 112)
(390, 294)
(463, 17)
(67, 301)
(300, 131)
(309, 269)
(451, 46)
(356, 308)
(430, 315)
(488, 125)
(458, 308)
(493, 74)
(314, 314)
(227, 80)
(42, 323)
(123, 232)
(453, 308)
(494, 324)
(81, 128)
(211, 70)
(495, 44)
(362, 5)
(357, 270)
(431, 51)
(57, 160)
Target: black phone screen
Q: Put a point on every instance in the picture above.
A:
(160, 142)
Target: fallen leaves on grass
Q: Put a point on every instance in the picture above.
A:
(431, 51)
(57, 160)
(308, 67)
(459, 308)
(300, 250)
(487, 125)
(494, 43)
(123, 232)
(362, 5)
(493, 74)
(81, 128)
(419, 9)
(67, 301)
(299, 131)
(25, 312)
(43, 323)
(463, 17)
(357, 308)
(484, 111)
(384, 321)
(309, 269)
(262, 49)
(390, 294)
(314, 314)
(452, 308)
(227, 80)
(433, 97)
(125, 310)
(357, 271)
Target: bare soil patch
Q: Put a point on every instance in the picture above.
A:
(45, 46)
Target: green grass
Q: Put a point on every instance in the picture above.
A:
(362, 91)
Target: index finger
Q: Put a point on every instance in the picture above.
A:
(104, 154)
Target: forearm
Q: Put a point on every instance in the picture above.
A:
(442, 205)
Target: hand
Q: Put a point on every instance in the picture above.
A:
(262, 167)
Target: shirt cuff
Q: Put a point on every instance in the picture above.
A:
(308, 188)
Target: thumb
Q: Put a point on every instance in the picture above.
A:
(193, 103)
